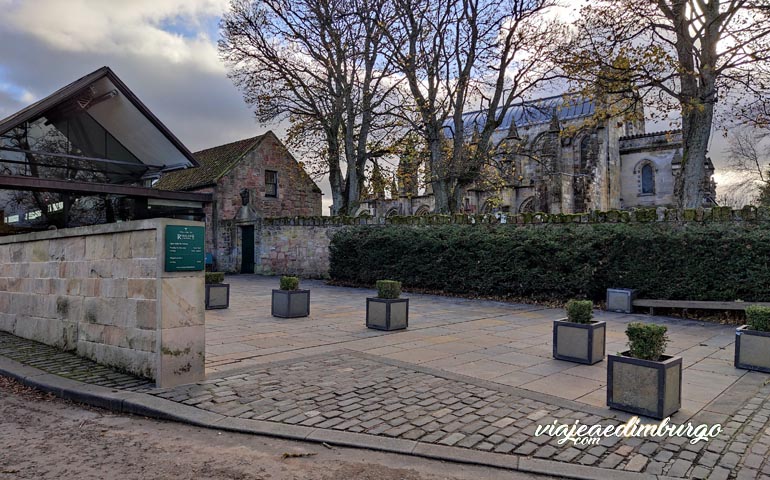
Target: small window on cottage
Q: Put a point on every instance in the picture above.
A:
(648, 180)
(271, 183)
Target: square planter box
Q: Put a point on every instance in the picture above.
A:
(217, 296)
(620, 300)
(752, 349)
(387, 313)
(579, 342)
(644, 387)
(290, 303)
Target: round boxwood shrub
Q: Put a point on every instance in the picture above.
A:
(215, 277)
(289, 283)
(388, 289)
(646, 341)
(580, 311)
(758, 318)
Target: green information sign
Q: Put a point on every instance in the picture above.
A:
(184, 248)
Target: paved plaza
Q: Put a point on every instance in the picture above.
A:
(508, 344)
(468, 380)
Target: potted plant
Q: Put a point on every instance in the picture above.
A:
(387, 311)
(289, 301)
(578, 338)
(643, 380)
(752, 341)
(217, 293)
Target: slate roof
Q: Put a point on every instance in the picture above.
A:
(567, 107)
(214, 163)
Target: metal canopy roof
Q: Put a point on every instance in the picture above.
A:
(122, 114)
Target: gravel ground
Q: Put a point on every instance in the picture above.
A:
(45, 437)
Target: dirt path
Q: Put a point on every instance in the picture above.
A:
(44, 437)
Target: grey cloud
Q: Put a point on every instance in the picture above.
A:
(201, 107)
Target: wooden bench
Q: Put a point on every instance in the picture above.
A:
(694, 304)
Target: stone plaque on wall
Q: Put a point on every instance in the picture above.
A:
(184, 248)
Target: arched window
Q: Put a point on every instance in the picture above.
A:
(392, 212)
(648, 179)
(585, 154)
(423, 210)
(528, 205)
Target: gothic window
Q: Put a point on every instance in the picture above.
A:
(549, 145)
(648, 180)
(423, 210)
(527, 206)
(585, 153)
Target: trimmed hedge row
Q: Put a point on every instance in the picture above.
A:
(677, 262)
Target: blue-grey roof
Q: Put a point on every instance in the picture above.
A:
(530, 113)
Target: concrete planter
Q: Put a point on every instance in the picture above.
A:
(752, 349)
(387, 313)
(217, 296)
(644, 387)
(290, 303)
(620, 300)
(579, 342)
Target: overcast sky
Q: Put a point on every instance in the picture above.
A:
(164, 50)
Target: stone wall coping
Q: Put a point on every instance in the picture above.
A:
(107, 228)
(639, 215)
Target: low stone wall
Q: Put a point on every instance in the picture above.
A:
(300, 245)
(102, 291)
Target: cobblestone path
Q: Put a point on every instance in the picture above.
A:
(360, 393)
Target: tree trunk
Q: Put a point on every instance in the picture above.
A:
(438, 177)
(691, 178)
(336, 180)
(440, 196)
(352, 190)
(458, 194)
(697, 98)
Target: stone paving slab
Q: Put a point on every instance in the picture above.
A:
(346, 397)
(509, 344)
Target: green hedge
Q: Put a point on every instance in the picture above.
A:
(663, 261)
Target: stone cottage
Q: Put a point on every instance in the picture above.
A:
(249, 179)
(554, 156)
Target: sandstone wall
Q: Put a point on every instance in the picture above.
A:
(301, 250)
(101, 291)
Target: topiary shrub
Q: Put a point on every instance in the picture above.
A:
(289, 283)
(646, 341)
(215, 277)
(388, 289)
(580, 311)
(758, 318)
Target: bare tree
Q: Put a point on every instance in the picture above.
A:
(748, 153)
(749, 150)
(317, 64)
(454, 53)
(680, 55)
